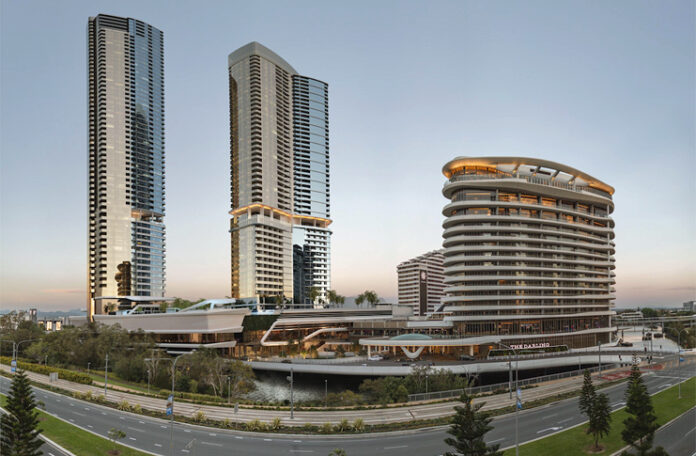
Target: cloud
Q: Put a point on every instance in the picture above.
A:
(63, 291)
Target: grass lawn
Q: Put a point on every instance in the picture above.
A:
(74, 439)
(575, 441)
(126, 384)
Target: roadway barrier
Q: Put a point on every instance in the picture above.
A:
(503, 386)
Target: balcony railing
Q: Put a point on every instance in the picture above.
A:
(531, 180)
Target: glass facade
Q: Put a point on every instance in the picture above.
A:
(126, 159)
(311, 185)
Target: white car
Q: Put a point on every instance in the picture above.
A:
(375, 358)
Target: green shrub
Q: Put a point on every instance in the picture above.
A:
(343, 426)
(359, 424)
(63, 374)
(199, 416)
(137, 409)
(275, 424)
(326, 428)
(255, 425)
(124, 405)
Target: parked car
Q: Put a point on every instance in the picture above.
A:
(375, 358)
(466, 358)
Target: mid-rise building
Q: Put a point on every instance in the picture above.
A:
(279, 149)
(421, 282)
(529, 252)
(126, 162)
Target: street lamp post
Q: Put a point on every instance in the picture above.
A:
(229, 391)
(518, 401)
(678, 355)
(171, 419)
(88, 364)
(599, 347)
(106, 374)
(326, 393)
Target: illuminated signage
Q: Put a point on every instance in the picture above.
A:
(525, 346)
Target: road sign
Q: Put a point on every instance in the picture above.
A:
(519, 394)
(519, 404)
(13, 365)
(170, 405)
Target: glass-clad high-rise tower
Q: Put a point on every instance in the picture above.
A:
(279, 141)
(126, 161)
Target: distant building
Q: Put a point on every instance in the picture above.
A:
(689, 306)
(421, 282)
(33, 315)
(51, 324)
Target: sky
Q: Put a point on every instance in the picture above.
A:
(605, 87)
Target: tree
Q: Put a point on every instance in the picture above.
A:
(640, 426)
(338, 452)
(368, 296)
(114, 436)
(469, 427)
(587, 395)
(600, 418)
(20, 433)
(313, 294)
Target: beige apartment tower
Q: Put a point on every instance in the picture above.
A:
(126, 257)
(279, 179)
(421, 282)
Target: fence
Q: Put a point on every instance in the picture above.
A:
(502, 386)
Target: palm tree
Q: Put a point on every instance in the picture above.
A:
(369, 296)
(313, 294)
(335, 298)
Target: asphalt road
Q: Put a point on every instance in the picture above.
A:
(679, 437)
(152, 435)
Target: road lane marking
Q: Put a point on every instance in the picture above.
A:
(549, 416)
(90, 426)
(87, 408)
(238, 437)
(211, 434)
(210, 443)
(297, 441)
(496, 440)
(135, 429)
(267, 440)
(163, 427)
(301, 451)
(132, 438)
(141, 422)
(103, 413)
(555, 428)
(71, 420)
(565, 421)
(158, 445)
(395, 447)
(186, 430)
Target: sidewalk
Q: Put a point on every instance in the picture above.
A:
(414, 411)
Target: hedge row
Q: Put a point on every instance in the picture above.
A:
(63, 374)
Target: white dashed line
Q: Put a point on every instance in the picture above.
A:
(210, 443)
(132, 438)
(158, 445)
(395, 447)
(211, 434)
(297, 441)
(238, 437)
(90, 426)
(267, 440)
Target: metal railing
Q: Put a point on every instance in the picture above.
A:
(503, 387)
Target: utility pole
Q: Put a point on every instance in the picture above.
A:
(229, 391)
(106, 374)
(326, 393)
(292, 395)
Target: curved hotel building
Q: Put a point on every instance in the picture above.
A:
(528, 247)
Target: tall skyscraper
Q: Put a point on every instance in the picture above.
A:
(422, 282)
(126, 161)
(279, 148)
